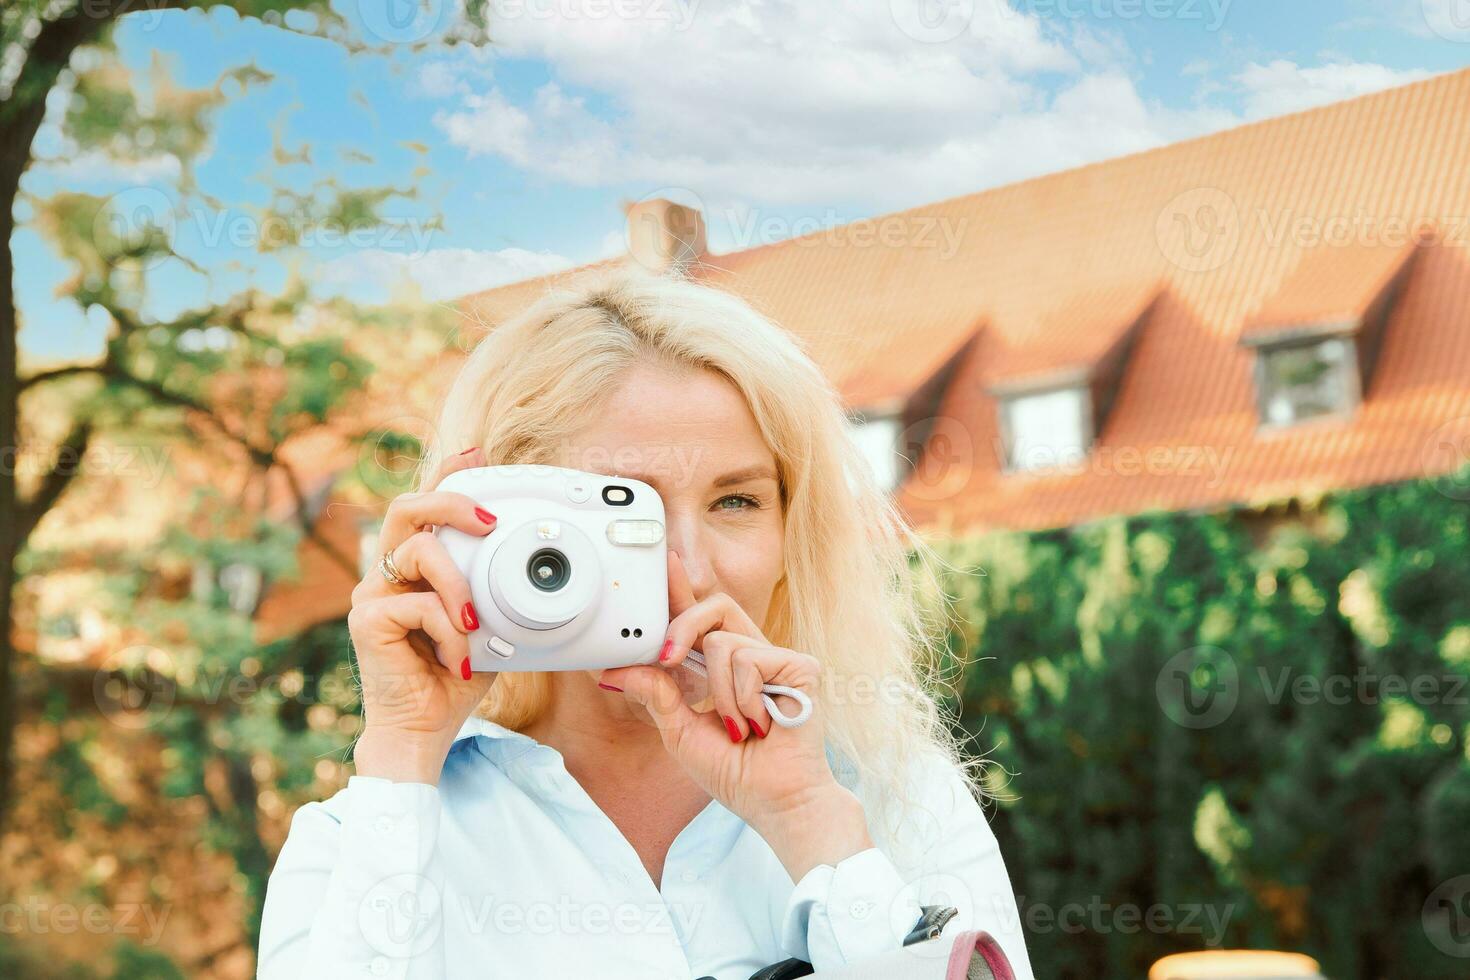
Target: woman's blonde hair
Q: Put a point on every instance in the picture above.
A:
(855, 574)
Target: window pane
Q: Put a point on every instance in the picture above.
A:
(367, 545)
(878, 440)
(1303, 382)
(241, 583)
(1046, 430)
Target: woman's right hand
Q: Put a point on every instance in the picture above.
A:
(412, 641)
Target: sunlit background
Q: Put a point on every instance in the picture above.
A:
(1153, 314)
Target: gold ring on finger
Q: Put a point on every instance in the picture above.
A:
(390, 570)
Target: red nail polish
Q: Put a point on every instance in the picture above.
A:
(471, 621)
(756, 727)
(468, 451)
(464, 669)
(609, 687)
(732, 728)
(667, 649)
(484, 515)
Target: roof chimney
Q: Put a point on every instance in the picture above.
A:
(663, 235)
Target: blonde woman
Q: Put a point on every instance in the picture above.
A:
(641, 821)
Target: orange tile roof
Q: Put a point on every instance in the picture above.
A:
(322, 590)
(1071, 338)
(1297, 216)
(497, 304)
(1332, 287)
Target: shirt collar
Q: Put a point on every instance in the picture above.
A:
(508, 739)
(475, 725)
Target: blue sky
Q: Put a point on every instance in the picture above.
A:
(775, 117)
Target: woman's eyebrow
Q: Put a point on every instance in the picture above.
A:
(760, 471)
(757, 472)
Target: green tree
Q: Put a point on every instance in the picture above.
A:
(1267, 741)
(231, 382)
(146, 371)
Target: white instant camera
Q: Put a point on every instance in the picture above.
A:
(573, 577)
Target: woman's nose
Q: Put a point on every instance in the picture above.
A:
(697, 566)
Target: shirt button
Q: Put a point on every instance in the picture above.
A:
(689, 876)
(379, 966)
(383, 825)
(614, 873)
(860, 910)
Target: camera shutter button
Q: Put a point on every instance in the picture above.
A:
(578, 491)
(501, 648)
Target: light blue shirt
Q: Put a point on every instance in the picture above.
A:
(508, 869)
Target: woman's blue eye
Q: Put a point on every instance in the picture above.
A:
(752, 501)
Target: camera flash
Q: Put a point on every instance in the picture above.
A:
(636, 532)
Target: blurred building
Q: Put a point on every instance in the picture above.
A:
(1240, 320)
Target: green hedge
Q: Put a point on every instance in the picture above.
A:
(1257, 736)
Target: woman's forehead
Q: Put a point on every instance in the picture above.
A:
(678, 424)
(666, 465)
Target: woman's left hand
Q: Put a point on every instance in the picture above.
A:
(776, 779)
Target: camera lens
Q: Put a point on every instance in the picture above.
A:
(548, 569)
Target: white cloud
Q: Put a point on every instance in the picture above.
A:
(778, 104)
(453, 74)
(613, 244)
(1449, 19)
(1284, 86)
(779, 100)
(94, 166)
(437, 80)
(556, 135)
(440, 274)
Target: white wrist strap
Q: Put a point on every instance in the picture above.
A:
(694, 660)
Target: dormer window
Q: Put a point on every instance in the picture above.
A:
(1317, 338)
(1303, 381)
(368, 532)
(242, 582)
(1055, 389)
(877, 437)
(893, 399)
(239, 582)
(1046, 430)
